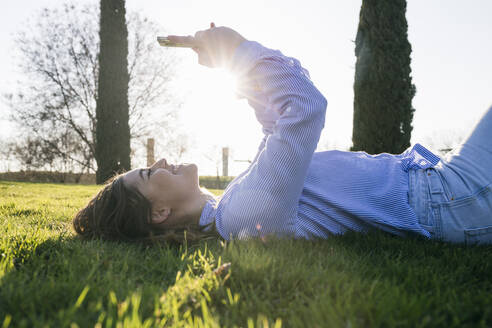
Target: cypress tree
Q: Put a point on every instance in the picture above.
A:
(383, 88)
(112, 128)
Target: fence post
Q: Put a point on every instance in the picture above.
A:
(225, 161)
(150, 151)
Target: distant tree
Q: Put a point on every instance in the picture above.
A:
(47, 154)
(33, 154)
(57, 93)
(445, 140)
(383, 89)
(8, 157)
(214, 155)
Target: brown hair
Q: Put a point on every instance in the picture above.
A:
(122, 213)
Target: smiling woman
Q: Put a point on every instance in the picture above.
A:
(172, 190)
(289, 190)
(160, 202)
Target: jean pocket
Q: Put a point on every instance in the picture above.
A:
(468, 219)
(478, 235)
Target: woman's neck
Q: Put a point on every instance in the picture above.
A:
(192, 214)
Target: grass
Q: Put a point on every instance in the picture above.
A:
(49, 278)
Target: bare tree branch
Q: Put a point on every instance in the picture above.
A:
(56, 100)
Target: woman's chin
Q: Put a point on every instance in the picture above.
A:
(206, 192)
(194, 169)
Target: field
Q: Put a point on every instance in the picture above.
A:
(50, 278)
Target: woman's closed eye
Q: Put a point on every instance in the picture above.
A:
(141, 173)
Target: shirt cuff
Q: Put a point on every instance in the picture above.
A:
(208, 214)
(246, 56)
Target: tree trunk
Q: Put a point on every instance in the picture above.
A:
(112, 129)
(383, 88)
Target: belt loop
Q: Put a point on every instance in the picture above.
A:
(436, 189)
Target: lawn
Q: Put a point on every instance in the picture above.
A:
(49, 278)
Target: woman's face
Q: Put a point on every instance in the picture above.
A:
(165, 185)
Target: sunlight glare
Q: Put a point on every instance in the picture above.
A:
(216, 118)
(220, 80)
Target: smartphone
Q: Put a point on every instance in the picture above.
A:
(164, 41)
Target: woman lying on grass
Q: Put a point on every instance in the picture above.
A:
(289, 190)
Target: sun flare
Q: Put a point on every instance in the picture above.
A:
(221, 80)
(214, 118)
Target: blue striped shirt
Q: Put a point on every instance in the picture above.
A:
(289, 190)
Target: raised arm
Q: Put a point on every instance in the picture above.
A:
(264, 201)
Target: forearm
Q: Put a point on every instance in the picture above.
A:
(267, 196)
(286, 102)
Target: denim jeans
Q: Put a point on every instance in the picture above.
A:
(453, 200)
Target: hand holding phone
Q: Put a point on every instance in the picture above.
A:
(184, 43)
(179, 41)
(214, 46)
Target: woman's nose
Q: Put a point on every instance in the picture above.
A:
(160, 163)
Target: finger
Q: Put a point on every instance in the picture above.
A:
(199, 40)
(199, 35)
(182, 39)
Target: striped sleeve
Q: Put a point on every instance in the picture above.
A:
(264, 201)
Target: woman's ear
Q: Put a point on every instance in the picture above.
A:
(160, 215)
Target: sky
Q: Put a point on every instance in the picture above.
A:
(451, 66)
